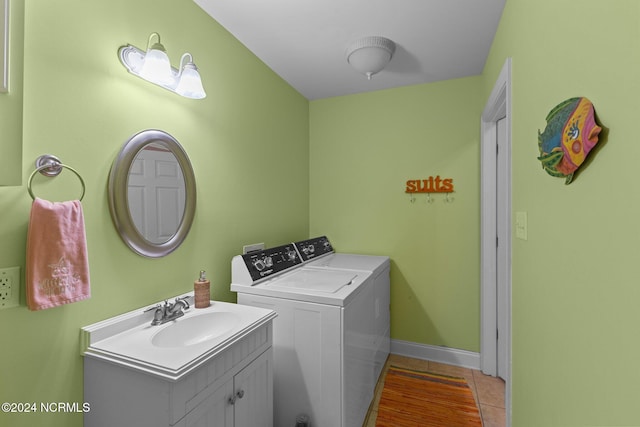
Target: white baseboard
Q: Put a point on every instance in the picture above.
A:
(450, 356)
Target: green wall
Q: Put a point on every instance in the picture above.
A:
(81, 105)
(575, 318)
(575, 280)
(363, 150)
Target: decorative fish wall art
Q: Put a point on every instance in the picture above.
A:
(570, 135)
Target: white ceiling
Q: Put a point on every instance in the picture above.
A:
(304, 41)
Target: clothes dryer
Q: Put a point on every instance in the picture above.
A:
(323, 357)
(319, 253)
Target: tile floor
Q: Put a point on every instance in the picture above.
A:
(488, 391)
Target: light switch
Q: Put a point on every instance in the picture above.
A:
(521, 225)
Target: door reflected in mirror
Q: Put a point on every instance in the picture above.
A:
(156, 193)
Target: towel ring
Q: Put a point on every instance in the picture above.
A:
(50, 166)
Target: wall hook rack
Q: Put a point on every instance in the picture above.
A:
(428, 186)
(430, 200)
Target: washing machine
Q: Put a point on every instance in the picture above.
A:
(327, 339)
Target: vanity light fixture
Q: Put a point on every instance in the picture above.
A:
(154, 66)
(369, 55)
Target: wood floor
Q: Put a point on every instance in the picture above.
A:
(488, 391)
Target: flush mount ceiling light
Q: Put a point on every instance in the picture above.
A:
(154, 66)
(370, 55)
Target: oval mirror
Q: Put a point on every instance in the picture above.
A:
(152, 193)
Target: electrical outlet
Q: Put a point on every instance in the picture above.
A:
(9, 287)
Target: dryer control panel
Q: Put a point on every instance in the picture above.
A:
(313, 248)
(268, 262)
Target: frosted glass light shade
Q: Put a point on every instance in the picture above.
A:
(156, 67)
(189, 83)
(370, 55)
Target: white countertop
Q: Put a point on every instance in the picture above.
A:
(127, 339)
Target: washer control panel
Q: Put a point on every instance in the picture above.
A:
(268, 262)
(313, 248)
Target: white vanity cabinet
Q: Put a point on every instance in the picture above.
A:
(229, 386)
(209, 396)
(244, 400)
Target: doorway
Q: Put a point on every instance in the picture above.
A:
(495, 335)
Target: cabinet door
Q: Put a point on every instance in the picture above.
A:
(253, 389)
(214, 411)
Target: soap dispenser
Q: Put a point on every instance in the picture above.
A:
(201, 289)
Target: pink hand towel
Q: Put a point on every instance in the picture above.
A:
(57, 266)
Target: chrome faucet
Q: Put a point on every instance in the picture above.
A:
(169, 311)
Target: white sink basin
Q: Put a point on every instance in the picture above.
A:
(173, 349)
(196, 329)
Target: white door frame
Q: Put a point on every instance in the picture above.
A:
(497, 107)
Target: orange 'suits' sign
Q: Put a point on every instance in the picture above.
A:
(430, 185)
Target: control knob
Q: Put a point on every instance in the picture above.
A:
(291, 255)
(259, 264)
